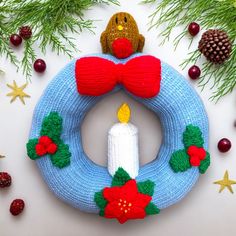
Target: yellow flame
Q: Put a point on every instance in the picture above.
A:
(124, 113)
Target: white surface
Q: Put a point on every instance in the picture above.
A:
(123, 149)
(203, 212)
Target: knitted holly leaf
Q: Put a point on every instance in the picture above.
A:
(100, 200)
(151, 209)
(179, 161)
(62, 157)
(146, 187)
(120, 177)
(50, 142)
(192, 136)
(52, 126)
(205, 164)
(31, 152)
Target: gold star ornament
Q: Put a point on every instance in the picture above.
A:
(17, 92)
(225, 183)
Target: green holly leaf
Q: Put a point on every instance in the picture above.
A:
(102, 212)
(52, 126)
(192, 136)
(146, 187)
(120, 177)
(30, 146)
(100, 200)
(179, 161)
(62, 156)
(205, 164)
(151, 209)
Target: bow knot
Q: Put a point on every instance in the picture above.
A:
(140, 76)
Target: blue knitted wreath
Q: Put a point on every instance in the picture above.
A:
(177, 106)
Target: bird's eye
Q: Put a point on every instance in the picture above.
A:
(116, 20)
(125, 19)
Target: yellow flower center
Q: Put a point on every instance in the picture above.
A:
(124, 205)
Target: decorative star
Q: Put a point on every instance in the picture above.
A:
(17, 92)
(225, 182)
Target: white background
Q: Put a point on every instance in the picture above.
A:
(203, 212)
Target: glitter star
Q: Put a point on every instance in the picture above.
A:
(17, 92)
(225, 183)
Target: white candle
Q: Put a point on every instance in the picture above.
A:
(123, 145)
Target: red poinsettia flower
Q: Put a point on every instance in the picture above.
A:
(125, 202)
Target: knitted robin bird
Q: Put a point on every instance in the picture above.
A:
(121, 37)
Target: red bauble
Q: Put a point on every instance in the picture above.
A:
(17, 206)
(193, 28)
(16, 40)
(122, 48)
(5, 180)
(40, 66)
(25, 32)
(194, 72)
(224, 145)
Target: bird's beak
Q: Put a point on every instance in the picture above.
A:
(120, 27)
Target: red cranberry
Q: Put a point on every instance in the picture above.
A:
(17, 206)
(193, 28)
(224, 145)
(194, 72)
(16, 40)
(40, 66)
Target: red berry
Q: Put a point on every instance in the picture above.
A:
(195, 161)
(194, 72)
(17, 206)
(45, 140)
(40, 66)
(224, 145)
(40, 149)
(122, 48)
(52, 148)
(193, 28)
(16, 39)
(25, 32)
(5, 180)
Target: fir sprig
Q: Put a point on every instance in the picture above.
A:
(52, 22)
(220, 14)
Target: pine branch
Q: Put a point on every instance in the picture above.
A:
(210, 14)
(52, 22)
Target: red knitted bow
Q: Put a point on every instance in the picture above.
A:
(96, 76)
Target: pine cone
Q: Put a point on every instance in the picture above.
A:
(216, 46)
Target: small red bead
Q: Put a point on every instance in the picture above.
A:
(25, 32)
(193, 28)
(17, 206)
(194, 72)
(40, 66)
(15, 40)
(224, 145)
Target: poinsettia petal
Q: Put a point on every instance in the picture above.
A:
(112, 194)
(135, 213)
(142, 200)
(129, 190)
(112, 210)
(122, 219)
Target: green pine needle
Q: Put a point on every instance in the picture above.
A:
(219, 14)
(51, 21)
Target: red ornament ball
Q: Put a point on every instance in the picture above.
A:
(193, 28)
(194, 72)
(5, 180)
(122, 48)
(15, 40)
(17, 206)
(25, 32)
(40, 66)
(224, 145)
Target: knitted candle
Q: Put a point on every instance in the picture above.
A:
(123, 144)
